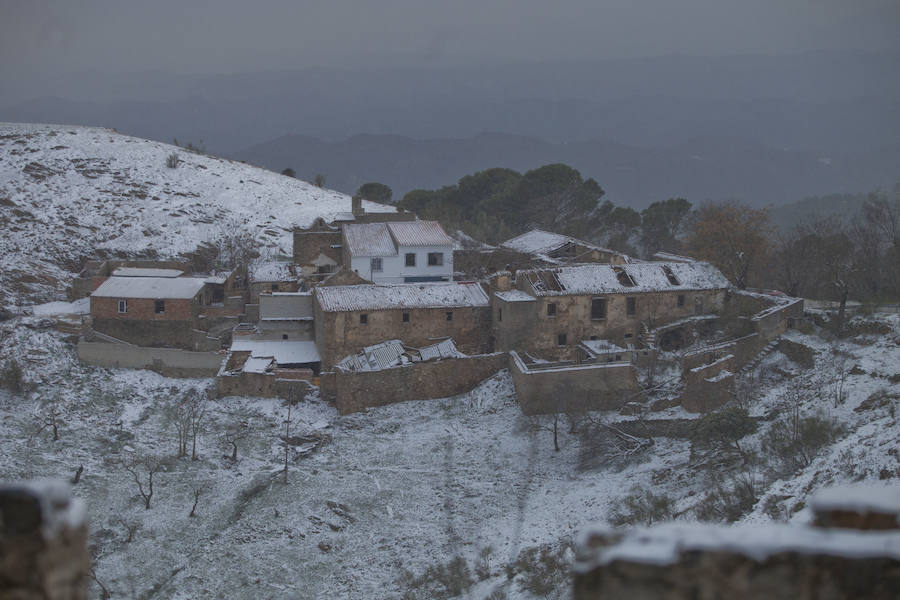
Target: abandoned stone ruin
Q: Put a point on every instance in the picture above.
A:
(580, 327)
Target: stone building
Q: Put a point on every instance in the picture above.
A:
(317, 251)
(562, 248)
(272, 276)
(349, 318)
(550, 311)
(150, 311)
(405, 252)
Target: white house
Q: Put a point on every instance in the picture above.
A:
(399, 252)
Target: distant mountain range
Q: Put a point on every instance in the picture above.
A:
(703, 168)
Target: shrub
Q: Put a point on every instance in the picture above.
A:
(721, 431)
(642, 507)
(544, 570)
(172, 161)
(725, 502)
(11, 376)
(438, 581)
(319, 180)
(793, 442)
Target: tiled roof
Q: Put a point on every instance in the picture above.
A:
(160, 288)
(371, 239)
(419, 233)
(401, 295)
(635, 277)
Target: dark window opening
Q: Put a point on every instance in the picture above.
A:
(435, 259)
(123, 306)
(275, 287)
(628, 336)
(630, 306)
(551, 310)
(411, 259)
(670, 275)
(363, 319)
(449, 315)
(284, 336)
(598, 308)
(159, 306)
(561, 339)
(624, 278)
(680, 300)
(499, 314)
(593, 337)
(406, 317)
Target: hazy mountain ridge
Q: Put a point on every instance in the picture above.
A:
(69, 192)
(701, 168)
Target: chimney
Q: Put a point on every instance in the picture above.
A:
(357, 207)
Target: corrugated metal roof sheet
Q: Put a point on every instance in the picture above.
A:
(606, 279)
(145, 272)
(443, 349)
(402, 295)
(159, 288)
(371, 239)
(375, 357)
(419, 233)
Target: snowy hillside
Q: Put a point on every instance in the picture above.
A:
(390, 496)
(68, 192)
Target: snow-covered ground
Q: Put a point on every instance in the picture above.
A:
(67, 192)
(402, 487)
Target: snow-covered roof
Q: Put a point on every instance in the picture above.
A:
(538, 241)
(271, 271)
(258, 364)
(662, 544)
(144, 272)
(419, 233)
(218, 278)
(630, 278)
(443, 349)
(602, 346)
(382, 239)
(284, 353)
(375, 357)
(669, 257)
(401, 295)
(150, 287)
(515, 296)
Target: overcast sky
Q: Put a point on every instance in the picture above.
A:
(43, 37)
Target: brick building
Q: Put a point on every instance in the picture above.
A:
(550, 311)
(349, 318)
(150, 311)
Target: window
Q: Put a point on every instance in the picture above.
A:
(598, 308)
(275, 287)
(375, 265)
(499, 314)
(680, 300)
(435, 259)
(123, 306)
(159, 306)
(284, 336)
(551, 309)
(630, 306)
(410, 259)
(449, 315)
(629, 336)
(561, 339)
(406, 317)
(363, 319)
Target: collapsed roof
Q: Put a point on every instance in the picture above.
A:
(631, 278)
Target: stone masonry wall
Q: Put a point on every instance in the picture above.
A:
(339, 334)
(358, 390)
(579, 388)
(43, 543)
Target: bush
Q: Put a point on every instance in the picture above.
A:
(642, 507)
(172, 161)
(792, 443)
(544, 570)
(11, 376)
(721, 432)
(438, 581)
(726, 502)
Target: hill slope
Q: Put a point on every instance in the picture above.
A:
(68, 193)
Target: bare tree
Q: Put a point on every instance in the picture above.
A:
(137, 465)
(291, 400)
(197, 493)
(235, 432)
(179, 415)
(49, 416)
(196, 401)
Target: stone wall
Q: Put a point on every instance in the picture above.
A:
(277, 385)
(339, 334)
(358, 390)
(43, 543)
(571, 316)
(169, 361)
(708, 387)
(799, 353)
(154, 334)
(573, 388)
